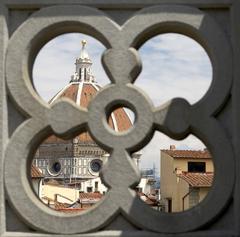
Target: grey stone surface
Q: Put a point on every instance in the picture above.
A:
(122, 63)
(3, 109)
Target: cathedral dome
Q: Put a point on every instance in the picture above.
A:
(81, 90)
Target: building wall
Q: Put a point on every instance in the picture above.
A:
(71, 194)
(37, 185)
(167, 178)
(182, 164)
(182, 200)
(53, 150)
(174, 188)
(50, 191)
(203, 193)
(91, 184)
(170, 187)
(145, 185)
(193, 197)
(74, 159)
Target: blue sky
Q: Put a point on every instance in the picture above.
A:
(173, 66)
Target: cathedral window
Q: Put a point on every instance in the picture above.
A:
(96, 165)
(55, 168)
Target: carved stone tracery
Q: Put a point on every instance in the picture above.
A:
(121, 60)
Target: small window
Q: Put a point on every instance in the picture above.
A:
(89, 189)
(199, 167)
(169, 203)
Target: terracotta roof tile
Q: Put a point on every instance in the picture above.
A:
(87, 93)
(122, 120)
(54, 139)
(36, 172)
(197, 179)
(90, 196)
(70, 93)
(193, 154)
(145, 198)
(59, 205)
(52, 182)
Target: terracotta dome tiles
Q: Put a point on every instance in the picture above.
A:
(119, 119)
(88, 92)
(70, 92)
(122, 119)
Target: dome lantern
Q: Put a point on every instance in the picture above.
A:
(83, 72)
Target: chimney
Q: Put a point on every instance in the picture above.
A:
(172, 147)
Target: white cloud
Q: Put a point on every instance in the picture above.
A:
(173, 66)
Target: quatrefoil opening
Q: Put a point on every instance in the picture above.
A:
(65, 173)
(174, 65)
(114, 95)
(58, 19)
(176, 175)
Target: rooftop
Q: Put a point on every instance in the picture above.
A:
(197, 179)
(193, 154)
(90, 196)
(36, 172)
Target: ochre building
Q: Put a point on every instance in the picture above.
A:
(185, 179)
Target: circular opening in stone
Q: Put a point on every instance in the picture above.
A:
(96, 165)
(121, 118)
(54, 168)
